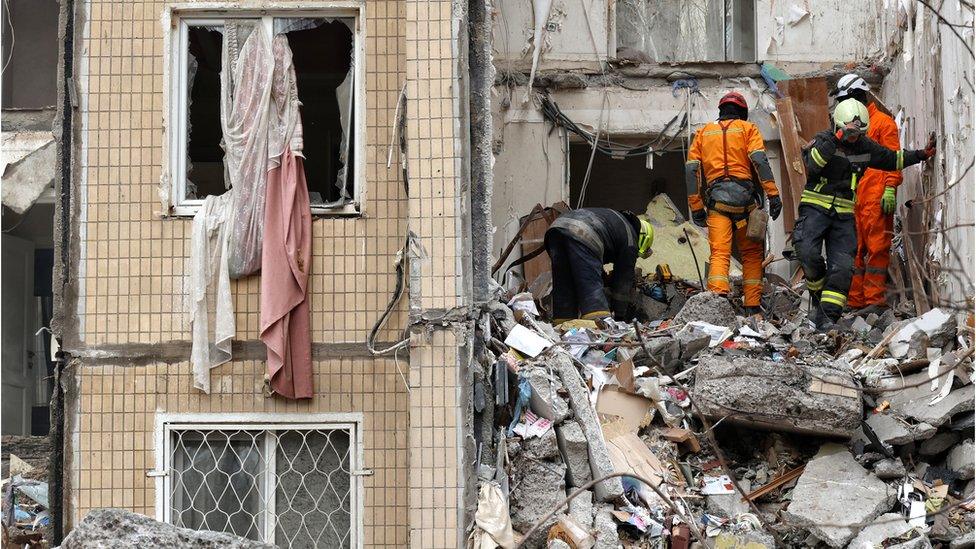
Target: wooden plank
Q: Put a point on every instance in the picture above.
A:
(793, 172)
(775, 483)
(810, 104)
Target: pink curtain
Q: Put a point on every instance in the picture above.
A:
(285, 263)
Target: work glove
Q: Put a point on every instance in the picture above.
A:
(775, 206)
(700, 218)
(849, 133)
(929, 150)
(888, 201)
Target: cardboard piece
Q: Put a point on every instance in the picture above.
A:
(684, 438)
(630, 455)
(634, 410)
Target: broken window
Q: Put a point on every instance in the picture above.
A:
(278, 484)
(323, 50)
(690, 31)
(624, 183)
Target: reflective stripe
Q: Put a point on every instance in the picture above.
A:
(854, 183)
(751, 282)
(716, 132)
(827, 201)
(900, 159)
(815, 285)
(695, 163)
(823, 181)
(718, 277)
(815, 154)
(858, 271)
(864, 157)
(835, 298)
(877, 270)
(595, 315)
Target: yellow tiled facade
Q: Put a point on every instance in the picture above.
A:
(131, 276)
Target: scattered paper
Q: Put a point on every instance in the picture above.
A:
(526, 341)
(532, 426)
(749, 332)
(916, 514)
(717, 334)
(717, 486)
(577, 335)
(524, 302)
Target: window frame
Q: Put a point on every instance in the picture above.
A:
(167, 423)
(178, 18)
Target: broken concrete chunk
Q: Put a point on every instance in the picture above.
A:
(692, 341)
(558, 544)
(752, 539)
(502, 314)
(581, 509)
(665, 354)
(579, 400)
(960, 460)
(896, 432)
(938, 327)
(606, 529)
(779, 396)
(890, 525)
(545, 400)
(729, 505)
(888, 469)
(542, 447)
(967, 541)
(913, 401)
(938, 444)
(835, 489)
(121, 529)
(537, 488)
(708, 307)
(575, 451)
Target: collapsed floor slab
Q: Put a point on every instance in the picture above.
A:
(778, 396)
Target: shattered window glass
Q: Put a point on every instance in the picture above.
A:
(322, 50)
(204, 155)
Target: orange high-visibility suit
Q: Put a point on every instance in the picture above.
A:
(874, 228)
(723, 155)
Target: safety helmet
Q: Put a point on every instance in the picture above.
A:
(734, 98)
(850, 110)
(645, 238)
(849, 83)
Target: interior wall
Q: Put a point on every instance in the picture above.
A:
(571, 38)
(929, 89)
(822, 31)
(627, 183)
(29, 78)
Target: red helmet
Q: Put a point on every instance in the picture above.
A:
(735, 98)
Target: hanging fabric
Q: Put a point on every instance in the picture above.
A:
(287, 254)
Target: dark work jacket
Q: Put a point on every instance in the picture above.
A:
(833, 168)
(610, 235)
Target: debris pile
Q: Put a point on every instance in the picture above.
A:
(26, 515)
(697, 425)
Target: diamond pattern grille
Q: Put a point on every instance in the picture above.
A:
(290, 487)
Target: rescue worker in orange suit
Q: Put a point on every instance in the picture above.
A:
(874, 206)
(725, 160)
(835, 161)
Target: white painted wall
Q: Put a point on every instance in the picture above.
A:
(821, 30)
(579, 39)
(931, 84)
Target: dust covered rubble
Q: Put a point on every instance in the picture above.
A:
(791, 411)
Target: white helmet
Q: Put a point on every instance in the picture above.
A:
(851, 110)
(849, 83)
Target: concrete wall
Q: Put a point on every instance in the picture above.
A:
(930, 90)
(29, 79)
(828, 31)
(575, 38)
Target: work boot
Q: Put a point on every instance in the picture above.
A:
(823, 322)
(753, 310)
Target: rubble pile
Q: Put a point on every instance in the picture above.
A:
(26, 516)
(697, 426)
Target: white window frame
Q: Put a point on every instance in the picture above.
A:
(167, 423)
(176, 21)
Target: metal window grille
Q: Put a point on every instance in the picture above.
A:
(293, 486)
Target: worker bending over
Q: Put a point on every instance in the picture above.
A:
(580, 242)
(875, 203)
(835, 161)
(723, 156)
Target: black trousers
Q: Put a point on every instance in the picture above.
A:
(828, 279)
(577, 279)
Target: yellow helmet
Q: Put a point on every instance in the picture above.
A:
(645, 238)
(848, 111)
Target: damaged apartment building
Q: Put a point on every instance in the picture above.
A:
(428, 132)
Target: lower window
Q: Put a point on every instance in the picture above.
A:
(287, 484)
